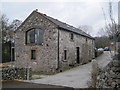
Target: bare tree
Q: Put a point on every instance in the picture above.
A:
(15, 24)
(8, 29)
(111, 26)
(12, 27)
(4, 27)
(101, 42)
(102, 32)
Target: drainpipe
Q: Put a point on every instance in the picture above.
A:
(58, 53)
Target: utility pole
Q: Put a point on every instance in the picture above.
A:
(118, 22)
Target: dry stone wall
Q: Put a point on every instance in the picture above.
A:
(12, 73)
(109, 77)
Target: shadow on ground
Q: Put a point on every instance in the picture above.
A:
(20, 84)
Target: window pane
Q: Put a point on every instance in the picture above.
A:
(32, 36)
(28, 37)
(38, 36)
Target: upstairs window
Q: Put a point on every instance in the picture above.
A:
(71, 36)
(92, 41)
(86, 39)
(34, 36)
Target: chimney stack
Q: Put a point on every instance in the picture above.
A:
(36, 10)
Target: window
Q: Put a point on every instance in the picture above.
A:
(71, 36)
(34, 36)
(92, 41)
(65, 54)
(86, 39)
(33, 54)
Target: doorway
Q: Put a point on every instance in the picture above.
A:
(78, 54)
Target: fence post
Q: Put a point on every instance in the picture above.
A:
(28, 73)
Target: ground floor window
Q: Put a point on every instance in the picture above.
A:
(65, 54)
(33, 54)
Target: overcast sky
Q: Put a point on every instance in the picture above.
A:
(75, 13)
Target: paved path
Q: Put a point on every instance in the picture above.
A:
(76, 77)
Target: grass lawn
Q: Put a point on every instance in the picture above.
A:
(39, 75)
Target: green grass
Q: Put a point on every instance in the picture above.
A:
(69, 67)
(38, 75)
(61, 70)
(41, 73)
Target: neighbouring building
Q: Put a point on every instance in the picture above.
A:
(115, 43)
(47, 44)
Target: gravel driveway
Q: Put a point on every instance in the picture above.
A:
(76, 77)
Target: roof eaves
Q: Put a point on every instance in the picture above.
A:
(76, 33)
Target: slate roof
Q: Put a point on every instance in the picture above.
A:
(67, 27)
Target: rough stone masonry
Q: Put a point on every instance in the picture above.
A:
(109, 77)
(62, 45)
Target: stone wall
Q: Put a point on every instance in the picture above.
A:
(86, 48)
(12, 73)
(109, 77)
(46, 54)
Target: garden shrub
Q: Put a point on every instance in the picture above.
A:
(118, 56)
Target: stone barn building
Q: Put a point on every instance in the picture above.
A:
(46, 44)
